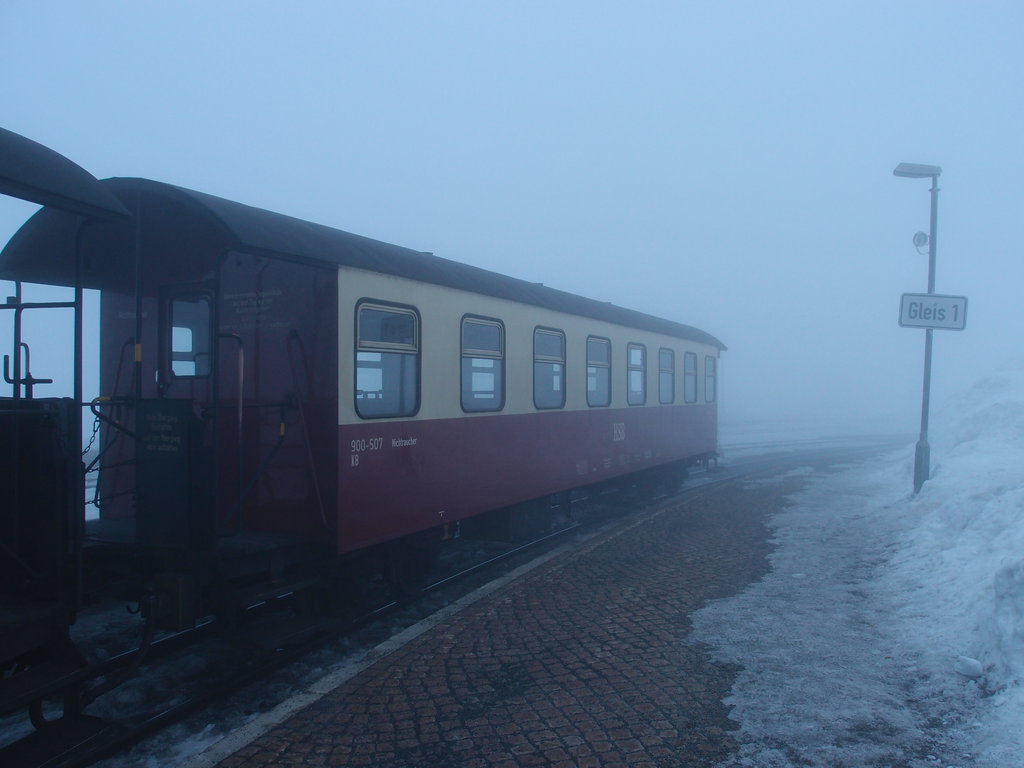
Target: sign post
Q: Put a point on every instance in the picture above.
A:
(930, 311)
(922, 452)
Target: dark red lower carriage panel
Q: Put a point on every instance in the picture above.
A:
(396, 478)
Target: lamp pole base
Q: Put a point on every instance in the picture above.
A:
(922, 462)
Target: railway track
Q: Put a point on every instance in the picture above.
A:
(269, 644)
(201, 667)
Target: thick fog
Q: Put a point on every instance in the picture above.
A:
(726, 165)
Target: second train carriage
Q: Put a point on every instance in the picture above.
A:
(263, 375)
(453, 402)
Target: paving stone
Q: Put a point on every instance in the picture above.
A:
(583, 661)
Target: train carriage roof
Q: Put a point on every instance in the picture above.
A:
(43, 251)
(30, 171)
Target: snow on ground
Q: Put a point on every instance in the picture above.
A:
(890, 630)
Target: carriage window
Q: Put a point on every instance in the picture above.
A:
(710, 379)
(548, 368)
(190, 336)
(636, 374)
(387, 361)
(690, 377)
(599, 372)
(483, 357)
(666, 376)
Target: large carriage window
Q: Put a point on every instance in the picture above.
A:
(636, 374)
(666, 376)
(190, 336)
(710, 379)
(599, 372)
(387, 361)
(483, 356)
(690, 377)
(548, 368)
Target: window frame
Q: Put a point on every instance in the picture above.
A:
(633, 368)
(195, 351)
(471, 353)
(689, 376)
(662, 371)
(549, 360)
(607, 367)
(413, 350)
(710, 379)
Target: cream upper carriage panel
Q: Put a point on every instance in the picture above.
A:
(440, 311)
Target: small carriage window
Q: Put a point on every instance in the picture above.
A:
(190, 336)
(636, 374)
(666, 376)
(548, 368)
(689, 377)
(483, 357)
(599, 372)
(387, 361)
(710, 379)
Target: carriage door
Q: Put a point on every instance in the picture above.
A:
(175, 428)
(276, 396)
(253, 388)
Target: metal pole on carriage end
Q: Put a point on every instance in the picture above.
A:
(922, 451)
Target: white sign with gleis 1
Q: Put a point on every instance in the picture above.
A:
(932, 310)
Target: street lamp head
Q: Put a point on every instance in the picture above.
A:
(916, 171)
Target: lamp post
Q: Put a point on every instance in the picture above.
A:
(922, 453)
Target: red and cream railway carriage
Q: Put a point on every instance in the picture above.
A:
(266, 376)
(453, 401)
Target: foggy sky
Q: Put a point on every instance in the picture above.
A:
(726, 165)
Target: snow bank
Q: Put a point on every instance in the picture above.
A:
(891, 627)
(966, 552)
(961, 567)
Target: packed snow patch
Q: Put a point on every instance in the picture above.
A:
(890, 630)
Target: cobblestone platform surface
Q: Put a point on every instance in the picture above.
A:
(582, 662)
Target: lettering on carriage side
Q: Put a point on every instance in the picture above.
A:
(364, 445)
(251, 302)
(252, 309)
(164, 433)
(618, 432)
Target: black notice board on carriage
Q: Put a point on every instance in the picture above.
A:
(165, 431)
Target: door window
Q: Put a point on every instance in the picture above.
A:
(190, 336)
